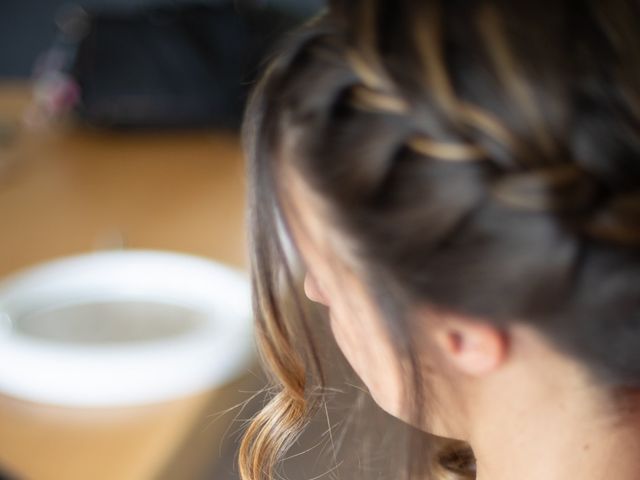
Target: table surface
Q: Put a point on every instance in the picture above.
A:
(65, 191)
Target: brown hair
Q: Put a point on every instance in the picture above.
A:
(481, 156)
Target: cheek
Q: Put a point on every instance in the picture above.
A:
(371, 357)
(368, 351)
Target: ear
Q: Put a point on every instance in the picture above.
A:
(473, 347)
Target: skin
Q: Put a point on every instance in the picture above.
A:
(528, 411)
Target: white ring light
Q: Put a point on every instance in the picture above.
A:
(215, 346)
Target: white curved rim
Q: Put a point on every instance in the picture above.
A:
(120, 374)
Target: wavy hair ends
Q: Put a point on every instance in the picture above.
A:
(276, 300)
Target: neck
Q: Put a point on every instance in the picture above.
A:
(553, 448)
(560, 426)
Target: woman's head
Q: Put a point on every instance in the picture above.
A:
(462, 182)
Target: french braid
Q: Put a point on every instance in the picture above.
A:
(472, 166)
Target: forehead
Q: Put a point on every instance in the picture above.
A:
(305, 215)
(311, 224)
(312, 219)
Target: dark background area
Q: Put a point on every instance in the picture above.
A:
(27, 27)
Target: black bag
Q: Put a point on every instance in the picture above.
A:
(176, 66)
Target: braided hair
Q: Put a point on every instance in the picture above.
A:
(482, 156)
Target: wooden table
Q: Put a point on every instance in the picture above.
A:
(65, 191)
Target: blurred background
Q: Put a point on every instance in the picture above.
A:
(28, 27)
(119, 135)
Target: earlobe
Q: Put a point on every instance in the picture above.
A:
(473, 347)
